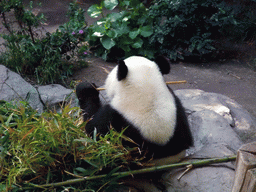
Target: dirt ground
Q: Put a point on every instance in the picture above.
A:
(233, 78)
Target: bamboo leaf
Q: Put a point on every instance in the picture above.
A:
(92, 164)
(7, 123)
(27, 133)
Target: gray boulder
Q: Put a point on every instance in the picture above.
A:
(54, 96)
(14, 88)
(216, 126)
(212, 178)
(215, 122)
(225, 109)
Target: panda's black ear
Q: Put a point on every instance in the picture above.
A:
(163, 64)
(122, 71)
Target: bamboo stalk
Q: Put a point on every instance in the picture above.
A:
(100, 89)
(168, 82)
(176, 82)
(198, 163)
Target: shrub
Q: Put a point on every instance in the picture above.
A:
(175, 28)
(47, 57)
(185, 28)
(123, 33)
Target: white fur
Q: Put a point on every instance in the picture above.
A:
(144, 99)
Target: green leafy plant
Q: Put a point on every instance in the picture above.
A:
(25, 18)
(123, 33)
(177, 29)
(189, 28)
(245, 32)
(51, 147)
(50, 58)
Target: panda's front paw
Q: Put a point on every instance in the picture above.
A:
(85, 90)
(89, 100)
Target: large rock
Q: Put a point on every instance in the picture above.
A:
(229, 111)
(215, 121)
(207, 178)
(14, 88)
(54, 96)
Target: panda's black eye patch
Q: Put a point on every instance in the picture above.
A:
(122, 71)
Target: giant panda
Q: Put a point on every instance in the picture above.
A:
(141, 102)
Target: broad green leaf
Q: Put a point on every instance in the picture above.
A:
(107, 25)
(110, 4)
(94, 11)
(99, 31)
(138, 43)
(107, 42)
(127, 3)
(125, 40)
(115, 16)
(122, 29)
(147, 53)
(143, 19)
(111, 33)
(126, 48)
(134, 34)
(146, 31)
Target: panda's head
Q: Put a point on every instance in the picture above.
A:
(137, 74)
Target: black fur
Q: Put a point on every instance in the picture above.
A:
(163, 64)
(102, 117)
(106, 115)
(89, 100)
(122, 71)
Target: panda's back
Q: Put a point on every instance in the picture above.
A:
(153, 117)
(142, 101)
(177, 140)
